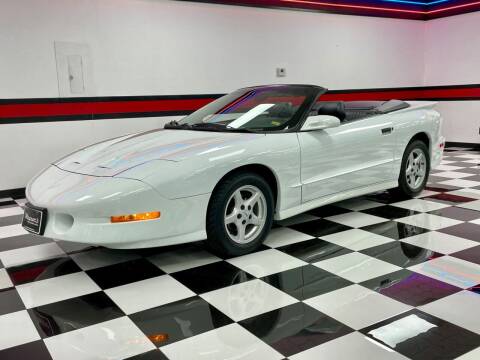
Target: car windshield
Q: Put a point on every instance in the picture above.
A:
(266, 108)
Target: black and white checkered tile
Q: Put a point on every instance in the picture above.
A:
(369, 278)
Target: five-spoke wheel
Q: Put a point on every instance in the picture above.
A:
(245, 214)
(240, 214)
(414, 169)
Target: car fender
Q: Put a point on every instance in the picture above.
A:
(199, 174)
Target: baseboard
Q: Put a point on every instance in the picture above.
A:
(18, 193)
(462, 145)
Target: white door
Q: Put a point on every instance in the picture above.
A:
(353, 155)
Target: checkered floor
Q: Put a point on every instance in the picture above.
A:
(369, 278)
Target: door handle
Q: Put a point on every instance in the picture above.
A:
(387, 130)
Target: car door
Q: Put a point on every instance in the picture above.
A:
(353, 155)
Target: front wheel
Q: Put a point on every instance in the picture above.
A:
(240, 214)
(414, 170)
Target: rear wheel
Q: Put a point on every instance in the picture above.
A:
(239, 215)
(414, 170)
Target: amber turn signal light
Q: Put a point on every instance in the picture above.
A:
(158, 338)
(135, 217)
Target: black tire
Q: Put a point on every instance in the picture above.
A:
(404, 189)
(218, 239)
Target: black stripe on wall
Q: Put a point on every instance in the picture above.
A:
(31, 110)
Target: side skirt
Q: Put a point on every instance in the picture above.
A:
(284, 214)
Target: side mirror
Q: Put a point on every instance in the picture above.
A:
(319, 122)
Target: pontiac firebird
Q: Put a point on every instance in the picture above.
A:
(226, 171)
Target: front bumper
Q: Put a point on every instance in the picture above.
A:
(80, 206)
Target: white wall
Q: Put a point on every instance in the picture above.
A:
(142, 47)
(452, 57)
(170, 47)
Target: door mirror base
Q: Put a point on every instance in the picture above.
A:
(320, 122)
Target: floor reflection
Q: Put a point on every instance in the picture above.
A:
(418, 335)
(295, 328)
(288, 329)
(401, 254)
(410, 287)
(72, 314)
(395, 230)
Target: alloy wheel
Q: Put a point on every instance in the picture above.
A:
(245, 214)
(416, 169)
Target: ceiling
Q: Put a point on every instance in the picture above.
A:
(405, 9)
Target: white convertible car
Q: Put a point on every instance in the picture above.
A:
(226, 171)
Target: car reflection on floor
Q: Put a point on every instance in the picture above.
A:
(288, 329)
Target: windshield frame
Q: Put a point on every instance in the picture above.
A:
(312, 92)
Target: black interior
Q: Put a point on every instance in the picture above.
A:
(336, 109)
(356, 110)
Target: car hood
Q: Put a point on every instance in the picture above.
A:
(111, 157)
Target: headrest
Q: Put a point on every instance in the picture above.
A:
(282, 110)
(336, 108)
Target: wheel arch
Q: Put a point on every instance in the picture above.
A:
(424, 137)
(262, 170)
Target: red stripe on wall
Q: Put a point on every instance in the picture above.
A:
(110, 107)
(12, 111)
(444, 94)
